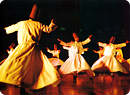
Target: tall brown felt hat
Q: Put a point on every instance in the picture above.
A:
(34, 12)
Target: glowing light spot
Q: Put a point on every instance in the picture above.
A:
(1, 1)
(128, 1)
(62, 29)
(1, 93)
(128, 93)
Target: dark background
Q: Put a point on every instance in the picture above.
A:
(101, 18)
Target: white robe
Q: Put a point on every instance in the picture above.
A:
(108, 61)
(75, 62)
(55, 59)
(27, 65)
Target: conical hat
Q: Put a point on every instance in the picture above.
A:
(34, 12)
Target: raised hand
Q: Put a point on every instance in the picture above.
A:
(99, 42)
(90, 36)
(58, 39)
(47, 49)
(52, 26)
(127, 41)
(52, 23)
(85, 49)
(94, 51)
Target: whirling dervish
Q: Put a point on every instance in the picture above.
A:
(75, 62)
(27, 66)
(108, 62)
(100, 52)
(56, 62)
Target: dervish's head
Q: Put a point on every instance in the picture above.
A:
(34, 12)
(112, 39)
(76, 38)
(55, 47)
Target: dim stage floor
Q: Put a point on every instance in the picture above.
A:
(102, 84)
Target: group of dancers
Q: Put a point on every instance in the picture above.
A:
(28, 67)
(110, 57)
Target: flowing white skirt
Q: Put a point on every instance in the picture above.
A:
(27, 66)
(74, 63)
(108, 62)
(56, 61)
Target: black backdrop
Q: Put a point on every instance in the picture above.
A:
(101, 18)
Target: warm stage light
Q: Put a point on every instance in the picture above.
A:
(1, 1)
(128, 1)
(128, 93)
